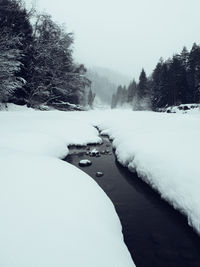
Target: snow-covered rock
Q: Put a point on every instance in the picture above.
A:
(85, 162)
(99, 174)
(94, 153)
(183, 109)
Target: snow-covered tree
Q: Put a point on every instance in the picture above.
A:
(10, 65)
(15, 37)
(55, 77)
(131, 91)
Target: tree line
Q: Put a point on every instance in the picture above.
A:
(174, 81)
(36, 61)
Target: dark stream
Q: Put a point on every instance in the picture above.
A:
(155, 234)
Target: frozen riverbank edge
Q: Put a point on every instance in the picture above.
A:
(164, 151)
(53, 214)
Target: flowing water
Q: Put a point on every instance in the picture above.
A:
(155, 234)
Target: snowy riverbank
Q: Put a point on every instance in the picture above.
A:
(164, 150)
(52, 214)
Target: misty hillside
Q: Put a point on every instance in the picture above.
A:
(105, 82)
(114, 76)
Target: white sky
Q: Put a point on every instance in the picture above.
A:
(126, 35)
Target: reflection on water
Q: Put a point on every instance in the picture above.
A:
(155, 234)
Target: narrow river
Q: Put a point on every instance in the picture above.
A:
(155, 234)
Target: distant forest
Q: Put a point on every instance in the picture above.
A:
(36, 62)
(174, 81)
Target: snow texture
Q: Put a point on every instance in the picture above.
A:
(164, 150)
(183, 109)
(85, 162)
(53, 214)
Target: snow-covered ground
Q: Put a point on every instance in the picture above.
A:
(53, 214)
(13, 107)
(164, 150)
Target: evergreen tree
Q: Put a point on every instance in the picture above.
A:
(10, 65)
(124, 96)
(142, 85)
(131, 91)
(173, 81)
(177, 81)
(143, 92)
(184, 57)
(15, 37)
(193, 73)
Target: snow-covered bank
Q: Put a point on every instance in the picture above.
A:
(53, 214)
(164, 150)
(183, 109)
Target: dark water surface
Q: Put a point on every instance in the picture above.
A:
(155, 234)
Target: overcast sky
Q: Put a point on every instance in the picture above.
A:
(126, 35)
